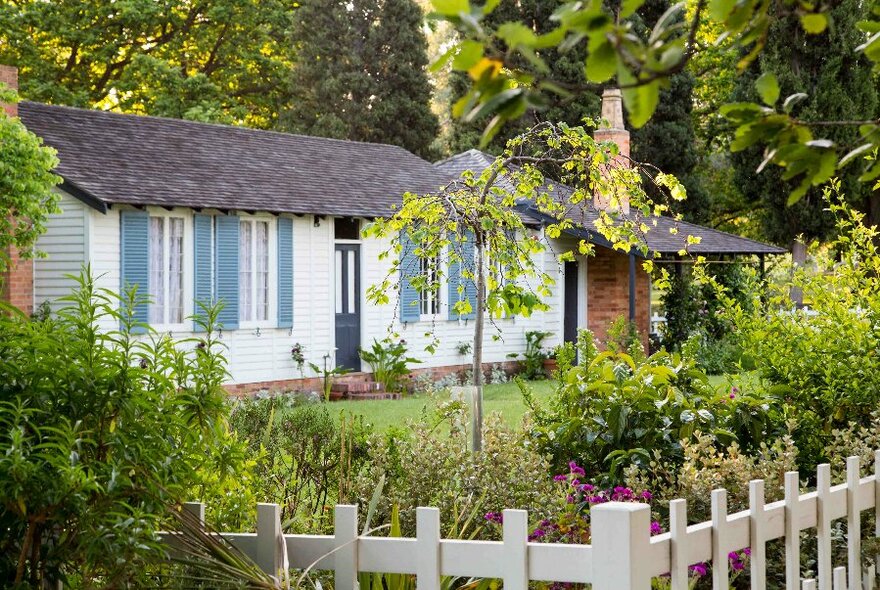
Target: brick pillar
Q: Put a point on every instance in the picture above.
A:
(9, 78)
(18, 280)
(613, 129)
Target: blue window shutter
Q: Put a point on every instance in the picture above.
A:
(455, 279)
(226, 232)
(203, 255)
(285, 272)
(134, 236)
(409, 268)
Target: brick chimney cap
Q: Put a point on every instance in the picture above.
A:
(612, 111)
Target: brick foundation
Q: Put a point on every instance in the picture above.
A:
(608, 293)
(315, 383)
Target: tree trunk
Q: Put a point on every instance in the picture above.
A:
(798, 259)
(479, 319)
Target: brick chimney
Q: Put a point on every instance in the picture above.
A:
(18, 280)
(613, 129)
(9, 78)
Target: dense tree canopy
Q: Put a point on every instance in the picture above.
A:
(666, 141)
(218, 60)
(509, 75)
(838, 85)
(360, 73)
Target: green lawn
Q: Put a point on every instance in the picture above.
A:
(505, 399)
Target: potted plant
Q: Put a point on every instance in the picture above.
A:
(297, 354)
(550, 364)
(327, 377)
(389, 363)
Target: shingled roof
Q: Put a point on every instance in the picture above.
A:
(659, 238)
(110, 158)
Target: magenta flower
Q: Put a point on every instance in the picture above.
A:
(560, 477)
(575, 469)
(646, 496)
(699, 569)
(656, 529)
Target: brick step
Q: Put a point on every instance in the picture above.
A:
(372, 395)
(355, 386)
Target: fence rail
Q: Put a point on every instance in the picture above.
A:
(623, 554)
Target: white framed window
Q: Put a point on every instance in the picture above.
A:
(166, 271)
(430, 300)
(254, 263)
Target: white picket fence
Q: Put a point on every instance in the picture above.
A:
(623, 554)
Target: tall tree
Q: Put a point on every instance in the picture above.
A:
(838, 85)
(666, 141)
(361, 73)
(216, 60)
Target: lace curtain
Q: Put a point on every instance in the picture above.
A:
(157, 270)
(175, 270)
(245, 258)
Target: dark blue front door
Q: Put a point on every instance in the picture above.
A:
(348, 305)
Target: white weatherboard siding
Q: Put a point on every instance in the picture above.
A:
(264, 355)
(65, 245)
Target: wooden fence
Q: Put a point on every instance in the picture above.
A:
(623, 554)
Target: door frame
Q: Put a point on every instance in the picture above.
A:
(356, 247)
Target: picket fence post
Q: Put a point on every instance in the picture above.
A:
(268, 550)
(345, 541)
(621, 539)
(428, 539)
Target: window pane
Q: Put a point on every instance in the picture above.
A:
(244, 272)
(157, 271)
(352, 268)
(175, 270)
(262, 270)
(339, 282)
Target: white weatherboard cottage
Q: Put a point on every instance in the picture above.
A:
(269, 224)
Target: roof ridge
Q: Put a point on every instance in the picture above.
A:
(188, 122)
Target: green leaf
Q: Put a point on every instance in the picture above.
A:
(641, 102)
(469, 53)
(515, 33)
(853, 154)
(720, 9)
(814, 23)
(629, 7)
(444, 59)
(601, 63)
(451, 7)
(768, 88)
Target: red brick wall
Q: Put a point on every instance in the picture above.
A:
(18, 280)
(9, 77)
(315, 384)
(608, 292)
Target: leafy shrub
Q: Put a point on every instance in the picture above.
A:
(610, 411)
(304, 460)
(389, 362)
(694, 306)
(421, 467)
(534, 356)
(823, 362)
(101, 433)
(706, 467)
